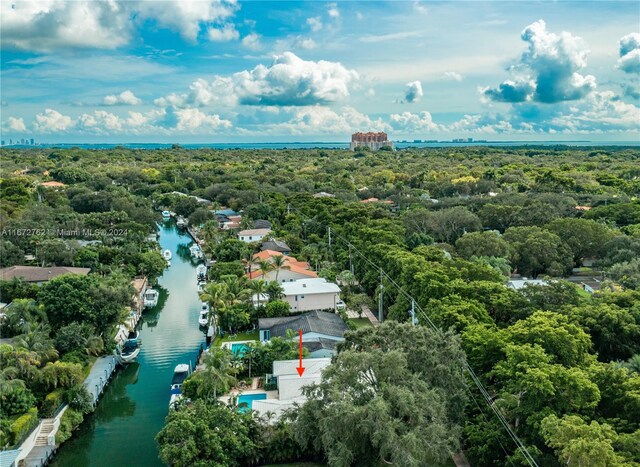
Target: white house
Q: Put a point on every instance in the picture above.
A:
(290, 385)
(253, 235)
(311, 294)
(519, 284)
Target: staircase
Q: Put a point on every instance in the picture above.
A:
(46, 428)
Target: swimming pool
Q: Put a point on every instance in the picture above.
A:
(245, 401)
(239, 349)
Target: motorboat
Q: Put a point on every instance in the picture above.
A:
(167, 255)
(166, 214)
(194, 250)
(128, 351)
(150, 298)
(201, 272)
(180, 374)
(181, 223)
(204, 318)
(204, 307)
(201, 285)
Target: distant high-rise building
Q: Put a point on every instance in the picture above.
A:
(373, 141)
(2, 143)
(21, 140)
(32, 141)
(10, 141)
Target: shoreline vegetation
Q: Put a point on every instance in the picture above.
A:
(527, 259)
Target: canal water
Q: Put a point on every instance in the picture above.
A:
(131, 412)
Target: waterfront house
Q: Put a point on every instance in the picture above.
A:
(311, 294)
(317, 327)
(253, 235)
(276, 245)
(293, 269)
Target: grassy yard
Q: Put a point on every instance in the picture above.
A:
(241, 336)
(361, 322)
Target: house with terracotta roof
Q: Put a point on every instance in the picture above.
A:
(294, 269)
(53, 184)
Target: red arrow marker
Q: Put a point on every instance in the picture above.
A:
(300, 367)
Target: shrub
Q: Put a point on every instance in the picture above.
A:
(16, 400)
(70, 421)
(79, 398)
(23, 424)
(51, 403)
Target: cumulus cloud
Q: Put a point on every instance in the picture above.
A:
(413, 92)
(452, 76)
(289, 81)
(547, 69)
(44, 25)
(317, 119)
(408, 122)
(226, 33)
(333, 10)
(187, 16)
(16, 124)
(194, 120)
(52, 121)
(629, 47)
(315, 23)
(252, 41)
(124, 98)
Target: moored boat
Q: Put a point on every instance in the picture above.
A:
(150, 298)
(128, 351)
(203, 320)
(167, 255)
(166, 214)
(181, 223)
(180, 374)
(201, 285)
(201, 272)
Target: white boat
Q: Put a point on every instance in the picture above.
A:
(168, 263)
(167, 255)
(180, 374)
(128, 351)
(181, 223)
(150, 298)
(201, 272)
(204, 318)
(194, 250)
(166, 214)
(204, 307)
(201, 285)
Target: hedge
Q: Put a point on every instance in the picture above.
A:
(23, 424)
(70, 421)
(51, 402)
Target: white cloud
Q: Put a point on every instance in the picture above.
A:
(629, 46)
(187, 16)
(226, 33)
(333, 11)
(315, 23)
(44, 25)
(289, 81)
(420, 8)
(194, 120)
(452, 76)
(16, 124)
(408, 122)
(252, 41)
(52, 121)
(547, 71)
(306, 43)
(124, 98)
(369, 38)
(317, 119)
(413, 92)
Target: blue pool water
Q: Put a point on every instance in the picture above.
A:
(238, 349)
(248, 400)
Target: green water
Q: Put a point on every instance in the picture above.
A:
(122, 430)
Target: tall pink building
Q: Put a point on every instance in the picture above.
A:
(373, 141)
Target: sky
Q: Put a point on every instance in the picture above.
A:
(261, 71)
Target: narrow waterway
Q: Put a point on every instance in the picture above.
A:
(131, 412)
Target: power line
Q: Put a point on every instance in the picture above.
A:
(503, 421)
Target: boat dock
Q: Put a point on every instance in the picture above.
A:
(99, 376)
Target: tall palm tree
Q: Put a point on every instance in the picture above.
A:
(258, 288)
(237, 290)
(274, 291)
(279, 263)
(265, 266)
(214, 294)
(37, 340)
(216, 373)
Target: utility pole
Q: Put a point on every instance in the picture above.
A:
(380, 298)
(329, 229)
(412, 312)
(288, 209)
(350, 262)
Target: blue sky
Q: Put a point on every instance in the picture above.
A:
(203, 71)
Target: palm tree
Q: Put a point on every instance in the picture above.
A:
(237, 290)
(279, 262)
(265, 266)
(216, 373)
(258, 288)
(274, 291)
(214, 294)
(37, 340)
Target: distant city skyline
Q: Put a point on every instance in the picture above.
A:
(221, 71)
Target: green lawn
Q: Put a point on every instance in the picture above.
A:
(241, 336)
(361, 322)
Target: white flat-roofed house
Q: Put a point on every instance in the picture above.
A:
(519, 284)
(311, 294)
(253, 235)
